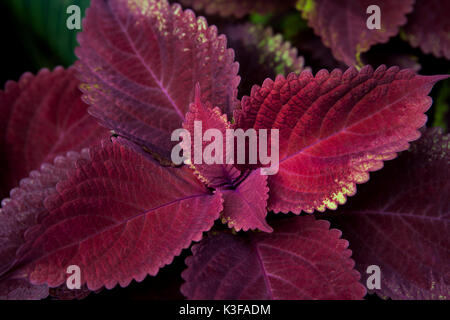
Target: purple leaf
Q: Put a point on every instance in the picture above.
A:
(428, 27)
(334, 129)
(245, 195)
(400, 222)
(42, 117)
(140, 62)
(115, 219)
(21, 289)
(23, 210)
(301, 259)
(342, 24)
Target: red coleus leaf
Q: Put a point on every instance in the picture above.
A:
(245, 196)
(400, 221)
(334, 129)
(115, 219)
(23, 210)
(429, 27)
(42, 117)
(140, 61)
(342, 25)
(301, 259)
(238, 8)
(261, 54)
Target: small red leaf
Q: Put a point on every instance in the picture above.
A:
(42, 117)
(245, 195)
(343, 24)
(334, 129)
(115, 219)
(245, 206)
(400, 221)
(301, 259)
(212, 174)
(429, 26)
(140, 61)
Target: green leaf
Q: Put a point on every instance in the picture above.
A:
(442, 107)
(45, 21)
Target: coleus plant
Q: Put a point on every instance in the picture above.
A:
(120, 210)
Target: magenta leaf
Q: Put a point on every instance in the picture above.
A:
(334, 129)
(400, 222)
(261, 54)
(140, 62)
(212, 174)
(118, 216)
(42, 117)
(23, 210)
(428, 27)
(342, 25)
(238, 8)
(245, 196)
(245, 205)
(301, 259)
(21, 289)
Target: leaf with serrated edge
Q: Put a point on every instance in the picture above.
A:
(301, 259)
(400, 222)
(245, 197)
(428, 27)
(334, 129)
(42, 117)
(116, 221)
(342, 25)
(140, 61)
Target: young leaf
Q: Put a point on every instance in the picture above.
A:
(42, 117)
(212, 174)
(245, 197)
(261, 54)
(115, 220)
(428, 27)
(301, 259)
(245, 206)
(342, 25)
(238, 8)
(334, 129)
(400, 221)
(140, 61)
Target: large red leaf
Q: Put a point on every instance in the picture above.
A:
(238, 8)
(140, 61)
(261, 54)
(334, 129)
(23, 210)
(400, 221)
(301, 259)
(429, 27)
(42, 116)
(115, 219)
(343, 24)
(245, 195)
